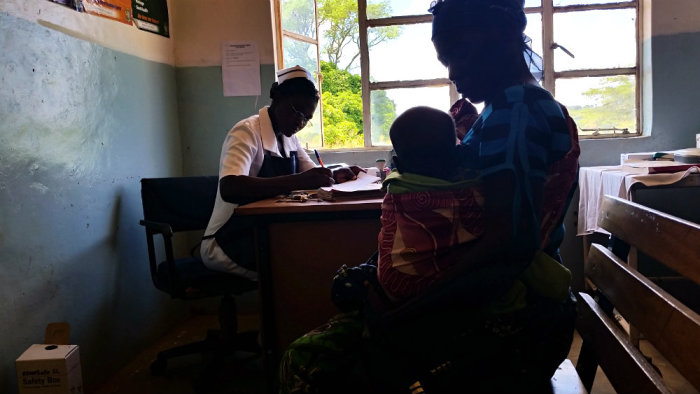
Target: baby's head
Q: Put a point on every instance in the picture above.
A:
(425, 142)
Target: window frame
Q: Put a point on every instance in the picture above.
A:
(547, 10)
(279, 60)
(367, 86)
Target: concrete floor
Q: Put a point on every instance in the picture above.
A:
(238, 376)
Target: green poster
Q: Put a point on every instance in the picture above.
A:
(151, 15)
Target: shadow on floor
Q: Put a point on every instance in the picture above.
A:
(241, 373)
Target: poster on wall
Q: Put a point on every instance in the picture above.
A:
(118, 10)
(151, 15)
(240, 68)
(74, 4)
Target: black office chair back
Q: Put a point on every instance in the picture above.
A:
(177, 204)
(185, 203)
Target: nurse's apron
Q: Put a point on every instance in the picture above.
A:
(233, 236)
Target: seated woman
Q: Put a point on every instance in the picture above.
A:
(466, 332)
(261, 157)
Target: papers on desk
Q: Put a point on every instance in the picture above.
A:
(367, 185)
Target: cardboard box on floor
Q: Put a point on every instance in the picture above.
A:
(52, 367)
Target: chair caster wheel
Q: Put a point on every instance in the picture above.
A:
(158, 367)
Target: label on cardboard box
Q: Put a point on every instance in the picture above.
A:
(49, 369)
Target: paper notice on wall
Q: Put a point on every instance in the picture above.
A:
(240, 69)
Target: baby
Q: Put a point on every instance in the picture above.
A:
(433, 203)
(425, 211)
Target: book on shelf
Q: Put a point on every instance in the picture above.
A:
(366, 186)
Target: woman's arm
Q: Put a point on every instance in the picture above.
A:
(241, 189)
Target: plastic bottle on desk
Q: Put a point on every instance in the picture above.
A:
(381, 173)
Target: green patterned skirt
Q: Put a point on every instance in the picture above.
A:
(446, 351)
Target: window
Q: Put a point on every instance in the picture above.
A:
(297, 43)
(591, 63)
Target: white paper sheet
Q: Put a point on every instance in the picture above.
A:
(240, 68)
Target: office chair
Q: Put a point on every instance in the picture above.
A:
(180, 204)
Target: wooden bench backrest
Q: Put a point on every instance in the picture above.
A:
(671, 327)
(670, 240)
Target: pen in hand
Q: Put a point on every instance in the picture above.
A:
(318, 157)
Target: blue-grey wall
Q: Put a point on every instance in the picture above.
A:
(79, 126)
(206, 116)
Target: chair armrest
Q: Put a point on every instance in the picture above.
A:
(166, 231)
(157, 227)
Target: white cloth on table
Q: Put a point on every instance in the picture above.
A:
(595, 182)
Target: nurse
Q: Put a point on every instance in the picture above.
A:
(261, 157)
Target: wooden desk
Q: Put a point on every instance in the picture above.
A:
(299, 248)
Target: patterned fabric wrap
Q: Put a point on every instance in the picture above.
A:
(323, 359)
(419, 229)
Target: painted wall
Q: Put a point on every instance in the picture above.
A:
(205, 115)
(87, 107)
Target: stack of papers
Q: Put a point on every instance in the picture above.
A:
(367, 185)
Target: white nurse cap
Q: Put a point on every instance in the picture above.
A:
(293, 72)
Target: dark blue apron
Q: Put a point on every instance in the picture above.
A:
(230, 236)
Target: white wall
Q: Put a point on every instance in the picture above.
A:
(201, 26)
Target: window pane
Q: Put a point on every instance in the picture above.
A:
(533, 3)
(560, 3)
(600, 105)
(534, 31)
(298, 16)
(342, 111)
(410, 55)
(310, 136)
(300, 53)
(384, 8)
(598, 39)
(387, 104)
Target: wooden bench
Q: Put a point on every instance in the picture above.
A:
(668, 325)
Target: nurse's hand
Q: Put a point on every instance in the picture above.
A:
(315, 178)
(345, 174)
